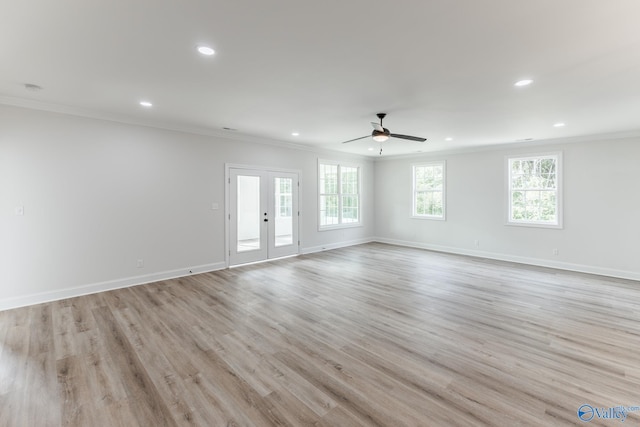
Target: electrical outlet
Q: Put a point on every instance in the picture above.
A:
(19, 210)
(476, 243)
(140, 263)
(555, 251)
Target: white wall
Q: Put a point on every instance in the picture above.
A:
(601, 208)
(100, 195)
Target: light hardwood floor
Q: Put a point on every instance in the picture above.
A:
(372, 335)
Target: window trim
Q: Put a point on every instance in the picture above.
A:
(559, 192)
(442, 163)
(340, 224)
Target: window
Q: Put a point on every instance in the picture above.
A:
(534, 185)
(339, 190)
(284, 197)
(429, 190)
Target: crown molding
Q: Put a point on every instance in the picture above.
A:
(515, 145)
(244, 137)
(156, 124)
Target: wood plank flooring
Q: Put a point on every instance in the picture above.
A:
(370, 335)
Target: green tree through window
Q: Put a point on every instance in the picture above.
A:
(534, 190)
(339, 194)
(429, 190)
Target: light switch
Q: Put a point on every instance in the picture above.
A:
(19, 210)
(215, 206)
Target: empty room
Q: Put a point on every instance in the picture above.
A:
(421, 213)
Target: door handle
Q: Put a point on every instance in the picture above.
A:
(266, 220)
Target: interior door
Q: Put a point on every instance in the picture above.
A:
(263, 215)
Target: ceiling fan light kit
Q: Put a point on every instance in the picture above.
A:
(379, 136)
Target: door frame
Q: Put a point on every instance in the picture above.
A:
(227, 206)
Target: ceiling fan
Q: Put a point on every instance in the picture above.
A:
(381, 134)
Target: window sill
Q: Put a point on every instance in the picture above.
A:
(534, 225)
(339, 226)
(432, 218)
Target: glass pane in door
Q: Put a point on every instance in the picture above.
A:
(249, 218)
(283, 211)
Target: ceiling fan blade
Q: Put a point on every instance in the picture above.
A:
(410, 138)
(377, 126)
(355, 139)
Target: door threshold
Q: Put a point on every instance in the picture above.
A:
(262, 261)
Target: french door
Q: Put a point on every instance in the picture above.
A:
(263, 215)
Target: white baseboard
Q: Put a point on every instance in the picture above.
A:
(31, 299)
(581, 268)
(21, 301)
(338, 245)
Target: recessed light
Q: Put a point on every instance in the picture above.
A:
(295, 134)
(448, 138)
(206, 50)
(370, 148)
(558, 125)
(146, 104)
(525, 82)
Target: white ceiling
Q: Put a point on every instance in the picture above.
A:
(439, 69)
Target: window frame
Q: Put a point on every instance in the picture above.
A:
(415, 215)
(339, 194)
(558, 224)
